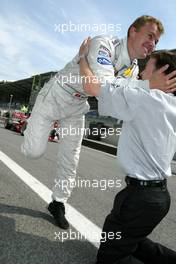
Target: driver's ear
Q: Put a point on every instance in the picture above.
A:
(132, 31)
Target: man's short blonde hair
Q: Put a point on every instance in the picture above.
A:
(142, 20)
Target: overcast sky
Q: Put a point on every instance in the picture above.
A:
(32, 40)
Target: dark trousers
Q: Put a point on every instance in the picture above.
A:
(136, 212)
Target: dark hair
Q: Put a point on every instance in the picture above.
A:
(142, 20)
(163, 58)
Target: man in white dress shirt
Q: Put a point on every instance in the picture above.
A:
(145, 150)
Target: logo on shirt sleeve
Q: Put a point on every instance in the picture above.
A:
(103, 53)
(116, 42)
(104, 61)
(106, 50)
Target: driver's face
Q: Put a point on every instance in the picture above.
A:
(145, 40)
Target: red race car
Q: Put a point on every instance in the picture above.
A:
(15, 121)
(54, 135)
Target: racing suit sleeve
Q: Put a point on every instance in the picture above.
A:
(100, 57)
(122, 98)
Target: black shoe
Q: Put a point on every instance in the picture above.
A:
(57, 210)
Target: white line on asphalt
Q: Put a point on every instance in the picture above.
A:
(82, 224)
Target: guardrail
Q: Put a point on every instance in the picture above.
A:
(100, 146)
(103, 146)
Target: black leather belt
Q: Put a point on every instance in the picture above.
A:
(142, 183)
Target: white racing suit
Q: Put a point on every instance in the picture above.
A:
(63, 99)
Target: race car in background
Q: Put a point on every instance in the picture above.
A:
(54, 134)
(15, 121)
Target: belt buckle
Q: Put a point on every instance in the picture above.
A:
(143, 183)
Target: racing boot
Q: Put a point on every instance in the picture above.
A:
(57, 209)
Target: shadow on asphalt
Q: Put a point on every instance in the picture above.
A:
(4, 208)
(22, 248)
